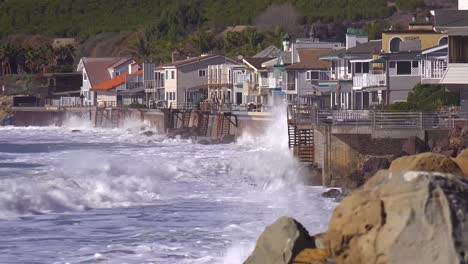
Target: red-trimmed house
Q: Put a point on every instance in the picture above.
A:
(110, 93)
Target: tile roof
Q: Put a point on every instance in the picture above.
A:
(96, 68)
(310, 59)
(114, 82)
(451, 18)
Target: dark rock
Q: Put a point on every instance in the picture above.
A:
(332, 193)
(373, 165)
(414, 145)
(76, 131)
(147, 133)
(281, 242)
(228, 139)
(204, 142)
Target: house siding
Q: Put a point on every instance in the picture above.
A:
(400, 86)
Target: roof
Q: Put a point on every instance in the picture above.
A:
(409, 31)
(96, 68)
(119, 62)
(372, 47)
(193, 60)
(310, 59)
(114, 82)
(334, 54)
(403, 55)
(256, 62)
(451, 18)
(270, 52)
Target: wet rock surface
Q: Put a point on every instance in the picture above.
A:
(430, 162)
(332, 193)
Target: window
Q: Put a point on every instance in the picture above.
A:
(404, 68)
(415, 64)
(117, 73)
(314, 75)
(172, 75)
(85, 76)
(365, 67)
(392, 65)
(443, 41)
(307, 75)
(349, 67)
(358, 67)
(201, 73)
(167, 75)
(395, 44)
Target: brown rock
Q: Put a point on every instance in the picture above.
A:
(462, 161)
(429, 162)
(403, 217)
(311, 256)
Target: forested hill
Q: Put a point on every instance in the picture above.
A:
(83, 18)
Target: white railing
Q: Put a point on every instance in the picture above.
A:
(241, 78)
(434, 69)
(369, 80)
(264, 82)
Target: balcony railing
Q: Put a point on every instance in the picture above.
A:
(369, 80)
(434, 69)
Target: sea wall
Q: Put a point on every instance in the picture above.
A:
(254, 124)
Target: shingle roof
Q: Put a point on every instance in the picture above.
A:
(451, 18)
(257, 62)
(372, 47)
(270, 52)
(119, 62)
(310, 59)
(96, 68)
(114, 82)
(192, 60)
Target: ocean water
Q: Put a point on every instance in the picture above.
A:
(116, 196)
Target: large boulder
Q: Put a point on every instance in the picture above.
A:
(402, 217)
(430, 162)
(462, 161)
(413, 146)
(281, 242)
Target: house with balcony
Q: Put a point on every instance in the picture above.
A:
(255, 86)
(226, 83)
(302, 81)
(454, 23)
(183, 83)
(98, 70)
(111, 93)
(434, 63)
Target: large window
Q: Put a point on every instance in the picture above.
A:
(361, 67)
(395, 44)
(312, 75)
(404, 68)
(172, 75)
(85, 76)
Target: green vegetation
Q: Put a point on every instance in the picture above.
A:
(427, 98)
(165, 19)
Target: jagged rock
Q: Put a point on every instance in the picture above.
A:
(414, 145)
(332, 193)
(402, 217)
(76, 131)
(430, 162)
(281, 242)
(373, 165)
(148, 133)
(462, 161)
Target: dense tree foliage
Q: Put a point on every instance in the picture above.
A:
(427, 98)
(165, 18)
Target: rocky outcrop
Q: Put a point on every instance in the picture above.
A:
(429, 162)
(402, 217)
(462, 161)
(332, 193)
(281, 243)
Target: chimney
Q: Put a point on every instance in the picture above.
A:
(175, 56)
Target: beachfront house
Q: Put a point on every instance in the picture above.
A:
(454, 23)
(183, 83)
(109, 92)
(98, 70)
(302, 80)
(225, 83)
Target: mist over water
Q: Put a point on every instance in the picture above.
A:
(116, 196)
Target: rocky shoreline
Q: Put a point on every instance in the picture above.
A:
(416, 211)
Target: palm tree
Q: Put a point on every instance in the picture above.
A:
(141, 48)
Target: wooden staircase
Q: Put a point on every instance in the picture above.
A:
(301, 133)
(203, 122)
(223, 126)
